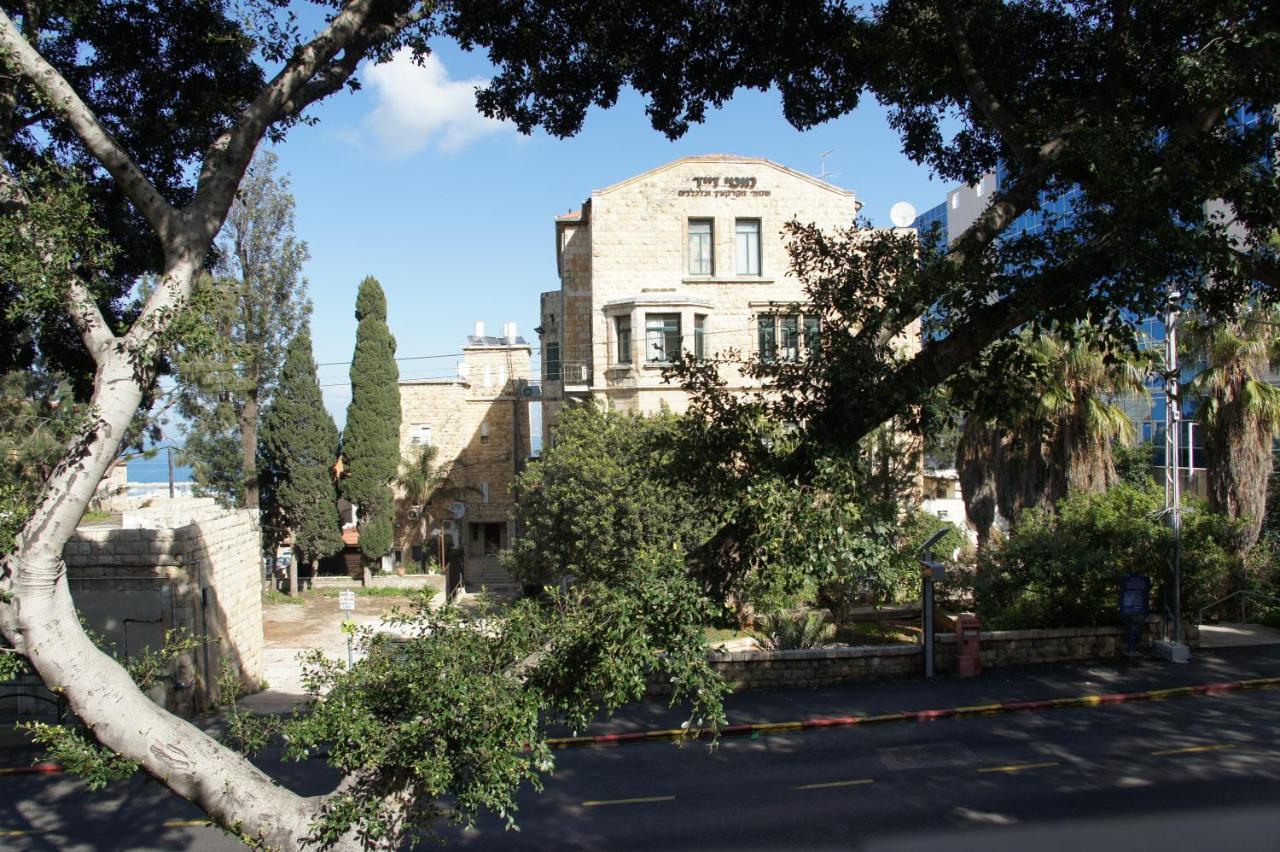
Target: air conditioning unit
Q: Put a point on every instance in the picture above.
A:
(530, 391)
(576, 374)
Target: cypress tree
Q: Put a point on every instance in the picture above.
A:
(371, 440)
(300, 443)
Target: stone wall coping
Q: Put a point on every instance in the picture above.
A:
(1040, 633)
(843, 652)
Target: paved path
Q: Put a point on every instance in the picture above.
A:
(1234, 635)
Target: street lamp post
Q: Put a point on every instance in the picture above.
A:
(1175, 651)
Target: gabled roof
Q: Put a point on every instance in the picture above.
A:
(724, 158)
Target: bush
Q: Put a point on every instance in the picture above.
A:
(793, 631)
(1064, 569)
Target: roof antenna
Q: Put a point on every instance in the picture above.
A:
(823, 156)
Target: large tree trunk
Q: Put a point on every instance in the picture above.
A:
(975, 466)
(1238, 462)
(249, 449)
(39, 618)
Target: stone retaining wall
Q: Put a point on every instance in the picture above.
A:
(189, 565)
(751, 670)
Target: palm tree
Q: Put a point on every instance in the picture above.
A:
(1238, 411)
(1049, 435)
(420, 478)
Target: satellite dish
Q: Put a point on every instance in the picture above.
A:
(457, 510)
(902, 214)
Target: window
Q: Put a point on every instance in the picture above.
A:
(661, 337)
(623, 326)
(812, 335)
(419, 435)
(786, 337)
(700, 336)
(484, 431)
(767, 343)
(484, 492)
(747, 240)
(552, 353)
(701, 250)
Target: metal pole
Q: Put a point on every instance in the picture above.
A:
(1173, 457)
(351, 654)
(926, 602)
(170, 454)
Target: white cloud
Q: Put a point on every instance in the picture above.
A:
(419, 103)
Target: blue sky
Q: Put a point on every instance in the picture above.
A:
(454, 214)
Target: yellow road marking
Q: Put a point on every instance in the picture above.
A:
(1192, 749)
(857, 782)
(22, 832)
(1018, 767)
(184, 823)
(979, 709)
(597, 803)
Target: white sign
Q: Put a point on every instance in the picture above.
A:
(457, 510)
(347, 601)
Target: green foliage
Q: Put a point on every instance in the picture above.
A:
(234, 335)
(1063, 569)
(609, 489)
(39, 417)
(371, 439)
(71, 748)
(792, 630)
(247, 733)
(148, 665)
(459, 712)
(300, 442)
(1133, 464)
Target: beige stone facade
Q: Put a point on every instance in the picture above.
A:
(691, 255)
(479, 420)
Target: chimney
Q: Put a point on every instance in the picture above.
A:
(510, 332)
(479, 328)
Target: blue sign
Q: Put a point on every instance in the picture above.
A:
(1135, 594)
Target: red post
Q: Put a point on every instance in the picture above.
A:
(968, 646)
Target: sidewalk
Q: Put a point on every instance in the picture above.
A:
(1000, 686)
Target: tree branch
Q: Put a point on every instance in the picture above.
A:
(307, 78)
(984, 99)
(51, 85)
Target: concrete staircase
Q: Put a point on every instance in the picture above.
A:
(485, 573)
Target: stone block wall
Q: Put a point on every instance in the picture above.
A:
(752, 670)
(191, 566)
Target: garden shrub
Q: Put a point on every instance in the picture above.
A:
(1064, 569)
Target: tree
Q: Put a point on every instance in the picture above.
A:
(608, 490)
(301, 444)
(422, 477)
(1135, 105)
(36, 612)
(1238, 412)
(164, 78)
(255, 310)
(1047, 423)
(371, 439)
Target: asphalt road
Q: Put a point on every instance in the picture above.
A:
(1198, 773)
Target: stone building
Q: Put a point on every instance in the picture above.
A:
(689, 256)
(479, 421)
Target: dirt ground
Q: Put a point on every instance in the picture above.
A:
(292, 629)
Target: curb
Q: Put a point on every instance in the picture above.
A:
(1032, 706)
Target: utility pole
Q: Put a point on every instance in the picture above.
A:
(169, 451)
(1176, 651)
